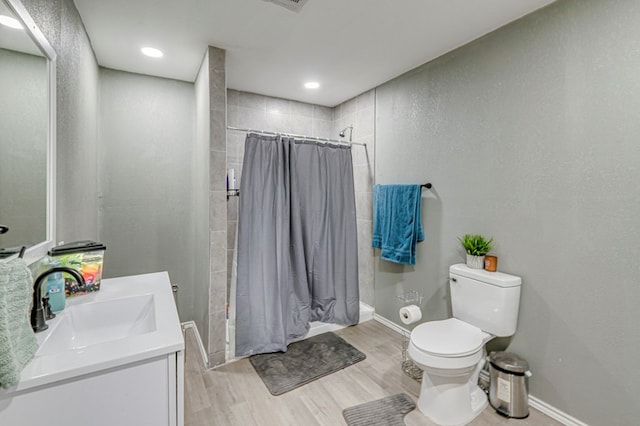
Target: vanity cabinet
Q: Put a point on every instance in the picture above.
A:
(145, 393)
(111, 358)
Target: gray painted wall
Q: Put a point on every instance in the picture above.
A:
(147, 128)
(23, 147)
(542, 116)
(78, 114)
(530, 135)
(77, 118)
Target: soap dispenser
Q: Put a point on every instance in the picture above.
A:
(55, 289)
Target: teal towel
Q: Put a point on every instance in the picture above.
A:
(17, 341)
(397, 222)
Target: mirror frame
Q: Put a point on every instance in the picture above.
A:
(40, 250)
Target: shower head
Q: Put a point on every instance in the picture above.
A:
(343, 133)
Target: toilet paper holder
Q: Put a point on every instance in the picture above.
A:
(408, 366)
(410, 307)
(410, 298)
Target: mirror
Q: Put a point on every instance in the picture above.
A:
(27, 134)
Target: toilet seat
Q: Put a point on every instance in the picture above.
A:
(447, 338)
(449, 344)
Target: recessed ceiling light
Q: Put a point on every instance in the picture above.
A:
(312, 85)
(152, 52)
(10, 22)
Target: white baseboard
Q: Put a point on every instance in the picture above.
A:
(203, 351)
(554, 413)
(534, 402)
(390, 324)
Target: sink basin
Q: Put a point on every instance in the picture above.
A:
(131, 319)
(88, 324)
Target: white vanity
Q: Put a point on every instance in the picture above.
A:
(114, 357)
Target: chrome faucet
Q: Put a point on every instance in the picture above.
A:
(38, 323)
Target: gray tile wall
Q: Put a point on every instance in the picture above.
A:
(217, 206)
(200, 207)
(248, 110)
(252, 111)
(360, 112)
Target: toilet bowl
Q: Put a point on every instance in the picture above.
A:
(452, 352)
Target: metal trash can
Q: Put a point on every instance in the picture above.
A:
(509, 388)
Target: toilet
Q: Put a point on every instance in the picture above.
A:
(451, 352)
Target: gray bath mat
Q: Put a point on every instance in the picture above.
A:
(304, 362)
(389, 411)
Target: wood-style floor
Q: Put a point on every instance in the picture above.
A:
(233, 394)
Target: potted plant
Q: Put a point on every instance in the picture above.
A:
(476, 247)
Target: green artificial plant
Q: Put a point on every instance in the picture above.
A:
(476, 245)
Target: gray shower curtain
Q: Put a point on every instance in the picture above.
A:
(297, 242)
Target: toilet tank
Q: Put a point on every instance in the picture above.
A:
(488, 300)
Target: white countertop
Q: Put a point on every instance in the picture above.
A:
(68, 364)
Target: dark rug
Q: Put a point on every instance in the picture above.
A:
(389, 411)
(304, 362)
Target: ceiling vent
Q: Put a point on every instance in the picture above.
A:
(292, 5)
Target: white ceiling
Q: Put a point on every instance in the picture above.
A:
(349, 46)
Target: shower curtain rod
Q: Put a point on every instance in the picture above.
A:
(295, 136)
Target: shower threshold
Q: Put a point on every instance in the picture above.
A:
(316, 327)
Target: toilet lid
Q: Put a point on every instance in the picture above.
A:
(447, 338)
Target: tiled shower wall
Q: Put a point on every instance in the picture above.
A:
(248, 110)
(217, 211)
(359, 112)
(251, 111)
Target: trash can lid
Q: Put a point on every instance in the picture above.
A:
(509, 362)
